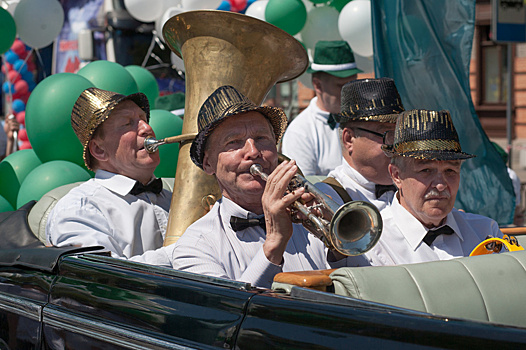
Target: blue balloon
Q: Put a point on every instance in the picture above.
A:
(18, 105)
(7, 87)
(224, 6)
(11, 57)
(27, 76)
(31, 85)
(20, 66)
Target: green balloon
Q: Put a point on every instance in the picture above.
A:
(109, 76)
(319, 1)
(48, 117)
(146, 83)
(13, 170)
(289, 15)
(339, 4)
(7, 30)
(5, 205)
(48, 176)
(166, 124)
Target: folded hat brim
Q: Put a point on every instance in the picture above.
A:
(340, 73)
(428, 155)
(381, 118)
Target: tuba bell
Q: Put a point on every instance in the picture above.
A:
(221, 48)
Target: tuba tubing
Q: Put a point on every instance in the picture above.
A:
(221, 48)
(354, 228)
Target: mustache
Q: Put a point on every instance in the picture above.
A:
(436, 193)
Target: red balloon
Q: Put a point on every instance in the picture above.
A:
(21, 87)
(25, 145)
(22, 135)
(21, 117)
(31, 66)
(237, 5)
(8, 65)
(25, 97)
(19, 48)
(13, 77)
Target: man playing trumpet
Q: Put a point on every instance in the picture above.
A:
(248, 235)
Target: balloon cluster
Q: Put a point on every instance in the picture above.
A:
(313, 20)
(19, 69)
(56, 157)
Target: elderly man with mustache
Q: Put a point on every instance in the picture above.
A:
(421, 224)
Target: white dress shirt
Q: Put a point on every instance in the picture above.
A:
(357, 186)
(102, 211)
(402, 238)
(210, 247)
(311, 142)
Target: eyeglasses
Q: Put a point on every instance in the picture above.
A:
(387, 137)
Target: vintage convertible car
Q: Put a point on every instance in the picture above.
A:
(76, 298)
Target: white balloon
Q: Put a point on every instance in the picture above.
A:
(38, 23)
(169, 13)
(145, 11)
(322, 24)
(257, 9)
(354, 24)
(200, 4)
(177, 61)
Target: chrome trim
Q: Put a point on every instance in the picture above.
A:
(21, 306)
(126, 338)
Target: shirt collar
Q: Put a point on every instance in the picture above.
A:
(117, 183)
(357, 177)
(318, 113)
(413, 230)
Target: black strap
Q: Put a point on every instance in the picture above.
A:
(344, 195)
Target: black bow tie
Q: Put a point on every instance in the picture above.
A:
(432, 234)
(239, 224)
(331, 120)
(381, 189)
(156, 186)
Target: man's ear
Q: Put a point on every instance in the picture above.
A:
(348, 139)
(207, 166)
(317, 85)
(97, 151)
(394, 171)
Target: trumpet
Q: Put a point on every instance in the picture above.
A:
(353, 229)
(151, 144)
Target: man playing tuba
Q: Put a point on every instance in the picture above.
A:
(248, 235)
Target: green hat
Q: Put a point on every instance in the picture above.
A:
(335, 58)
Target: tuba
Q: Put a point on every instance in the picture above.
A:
(221, 48)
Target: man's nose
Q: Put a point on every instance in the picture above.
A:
(440, 182)
(251, 149)
(145, 128)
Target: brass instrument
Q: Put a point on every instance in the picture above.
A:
(353, 229)
(151, 144)
(221, 48)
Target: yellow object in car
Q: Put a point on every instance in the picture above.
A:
(492, 245)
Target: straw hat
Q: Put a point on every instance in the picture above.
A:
(93, 107)
(374, 100)
(226, 102)
(424, 134)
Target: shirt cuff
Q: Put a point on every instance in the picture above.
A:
(261, 271)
